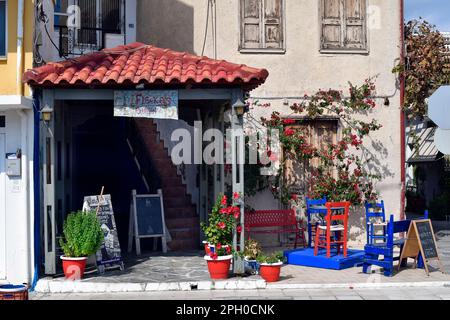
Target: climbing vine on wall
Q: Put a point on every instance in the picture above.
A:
(341, 172)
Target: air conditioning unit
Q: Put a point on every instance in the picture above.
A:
(113, 40)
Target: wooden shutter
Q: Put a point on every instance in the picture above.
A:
(343, 24)
(273, 24)
(355, 24)
(250, 24)
(331, 24)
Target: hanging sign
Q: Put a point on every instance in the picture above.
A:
(109, 253)
(157, 104)
(421, 240)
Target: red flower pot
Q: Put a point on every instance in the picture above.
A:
(219, 268)
(270, 272)
(74, 267)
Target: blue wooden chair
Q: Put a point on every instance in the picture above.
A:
(310, 212)
(386, 249)
(375, 218)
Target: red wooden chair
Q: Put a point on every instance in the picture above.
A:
(334, 231)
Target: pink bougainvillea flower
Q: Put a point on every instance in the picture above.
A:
(288, 121)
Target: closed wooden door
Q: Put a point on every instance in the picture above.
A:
(298, 172)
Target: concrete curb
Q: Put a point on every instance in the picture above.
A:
(52, 286)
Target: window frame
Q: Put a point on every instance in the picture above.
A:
(5, 56)
(343, 50)
(243, 50)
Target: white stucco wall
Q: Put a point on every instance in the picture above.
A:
(17, 232)
(180, 25)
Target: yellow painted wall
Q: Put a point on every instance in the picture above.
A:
(8, 66)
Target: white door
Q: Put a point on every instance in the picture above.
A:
(2, 209)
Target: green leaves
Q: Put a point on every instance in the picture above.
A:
(83, 235)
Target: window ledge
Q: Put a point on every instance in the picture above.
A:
(345, 51)
(3, 58)
(262, 51)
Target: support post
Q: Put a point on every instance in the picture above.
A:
(237, 161)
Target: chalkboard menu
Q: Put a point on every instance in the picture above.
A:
(420, 240)
(147, 219)
(109, 253)
(149, 215)
(426, 236)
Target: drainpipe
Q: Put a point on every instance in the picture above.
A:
(25, 189)
(402, 115)
(20, 11)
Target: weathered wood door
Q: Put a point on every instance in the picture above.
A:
(297, 173)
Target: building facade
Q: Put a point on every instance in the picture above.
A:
(16, 143)
(306, 46)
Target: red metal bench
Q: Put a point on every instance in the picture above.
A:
(279, 221)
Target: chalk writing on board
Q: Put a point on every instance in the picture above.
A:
(426, 236)
(110, 250)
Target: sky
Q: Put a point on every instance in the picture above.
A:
(434, 11)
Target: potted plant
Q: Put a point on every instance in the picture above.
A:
(251, 252)
(83, 236)
(219, 262)
(222, 221)
(270, 266)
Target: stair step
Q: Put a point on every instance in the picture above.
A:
(180, 201)
(185, 233)
(174, 223)
(181, 212)
(175, 191)
(184, 245)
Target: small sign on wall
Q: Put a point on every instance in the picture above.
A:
(157, 104)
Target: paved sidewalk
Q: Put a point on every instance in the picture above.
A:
(442, 293)
(172, 272)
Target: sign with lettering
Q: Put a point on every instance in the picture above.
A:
(109, 253)
(157, 104)
(421, 240)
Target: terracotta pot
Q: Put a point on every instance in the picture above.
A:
(74, 267)
(219, 268)
(270, 272)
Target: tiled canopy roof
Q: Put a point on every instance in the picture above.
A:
(138, 63)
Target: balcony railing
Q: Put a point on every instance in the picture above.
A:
(73, 42)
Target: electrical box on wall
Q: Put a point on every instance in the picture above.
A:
(13, 164)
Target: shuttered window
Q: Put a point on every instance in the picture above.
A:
(3, 29)
(262, 25)
(344, 25)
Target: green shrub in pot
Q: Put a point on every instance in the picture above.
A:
(83, 236)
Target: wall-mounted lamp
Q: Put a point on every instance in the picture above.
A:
(47, 113)
(239, 107)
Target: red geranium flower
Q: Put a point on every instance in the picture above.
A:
(221, 225)
(289, 132)
(236, 195)
(239, 229)
(224, 200)
(219, 246)
(228, 250)
(214, 255)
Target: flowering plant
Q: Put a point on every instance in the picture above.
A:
(222, 221)
(339, 170)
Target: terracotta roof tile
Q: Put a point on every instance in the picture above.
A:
(139, 63)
